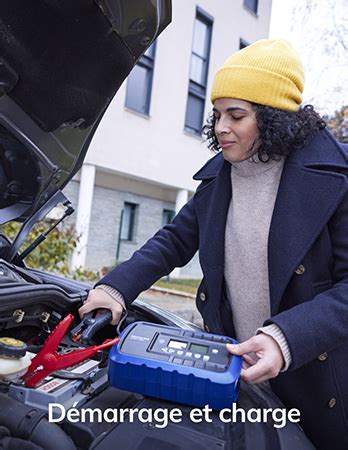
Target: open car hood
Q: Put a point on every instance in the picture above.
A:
(61, 64)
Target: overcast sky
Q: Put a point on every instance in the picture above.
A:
(318, 29)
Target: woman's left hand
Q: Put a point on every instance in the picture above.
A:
(270, 359)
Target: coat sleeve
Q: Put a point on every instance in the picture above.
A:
(172, 246)
(320, 324)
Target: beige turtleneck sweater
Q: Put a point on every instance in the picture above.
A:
(254, 190)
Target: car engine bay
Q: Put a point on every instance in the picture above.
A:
(61, 411)
(32, 304)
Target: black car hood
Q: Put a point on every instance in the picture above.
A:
(61, 63)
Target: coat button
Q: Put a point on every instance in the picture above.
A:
(202, 296)
(207, 328)
(300, 270)
(332, 402)
(322, 357)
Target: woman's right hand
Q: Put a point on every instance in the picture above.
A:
(98, 298)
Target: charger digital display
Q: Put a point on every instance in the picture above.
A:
(199, 349)
(177, 344)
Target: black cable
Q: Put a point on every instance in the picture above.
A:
(120, 323)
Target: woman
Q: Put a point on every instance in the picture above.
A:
(270, 221)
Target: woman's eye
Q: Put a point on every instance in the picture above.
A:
(237, 118)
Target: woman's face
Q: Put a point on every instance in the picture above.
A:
(235, 128)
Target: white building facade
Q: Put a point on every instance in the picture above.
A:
(138, 170)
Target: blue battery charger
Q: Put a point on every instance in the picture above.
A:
(183, 366)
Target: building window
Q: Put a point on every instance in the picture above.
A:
(243, 44)
(252, 5)
(198, 72)
(128, 220)
(167, 216)
(139, 84)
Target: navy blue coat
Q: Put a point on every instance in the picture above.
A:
(308, 275)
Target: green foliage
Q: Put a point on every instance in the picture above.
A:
(85, 275)
(52, 255)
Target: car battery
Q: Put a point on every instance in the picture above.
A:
(84, 378)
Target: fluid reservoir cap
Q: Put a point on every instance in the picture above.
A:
(12, 348)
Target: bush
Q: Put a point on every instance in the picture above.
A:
(54, 254)
(51, 256)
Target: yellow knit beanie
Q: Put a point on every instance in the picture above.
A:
(268, 72)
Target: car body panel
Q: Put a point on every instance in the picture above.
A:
(61, 64)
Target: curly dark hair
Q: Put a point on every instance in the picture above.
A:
(280, 132)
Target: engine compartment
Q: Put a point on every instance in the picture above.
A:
(32, 303)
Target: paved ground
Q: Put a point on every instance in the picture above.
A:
(183, 306)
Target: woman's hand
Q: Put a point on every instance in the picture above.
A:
(270, 358)
(97, 298)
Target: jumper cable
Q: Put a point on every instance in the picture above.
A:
(48, 360)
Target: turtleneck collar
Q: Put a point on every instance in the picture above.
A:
(252, 167)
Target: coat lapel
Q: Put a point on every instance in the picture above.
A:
(305, 201)
(212, 204)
